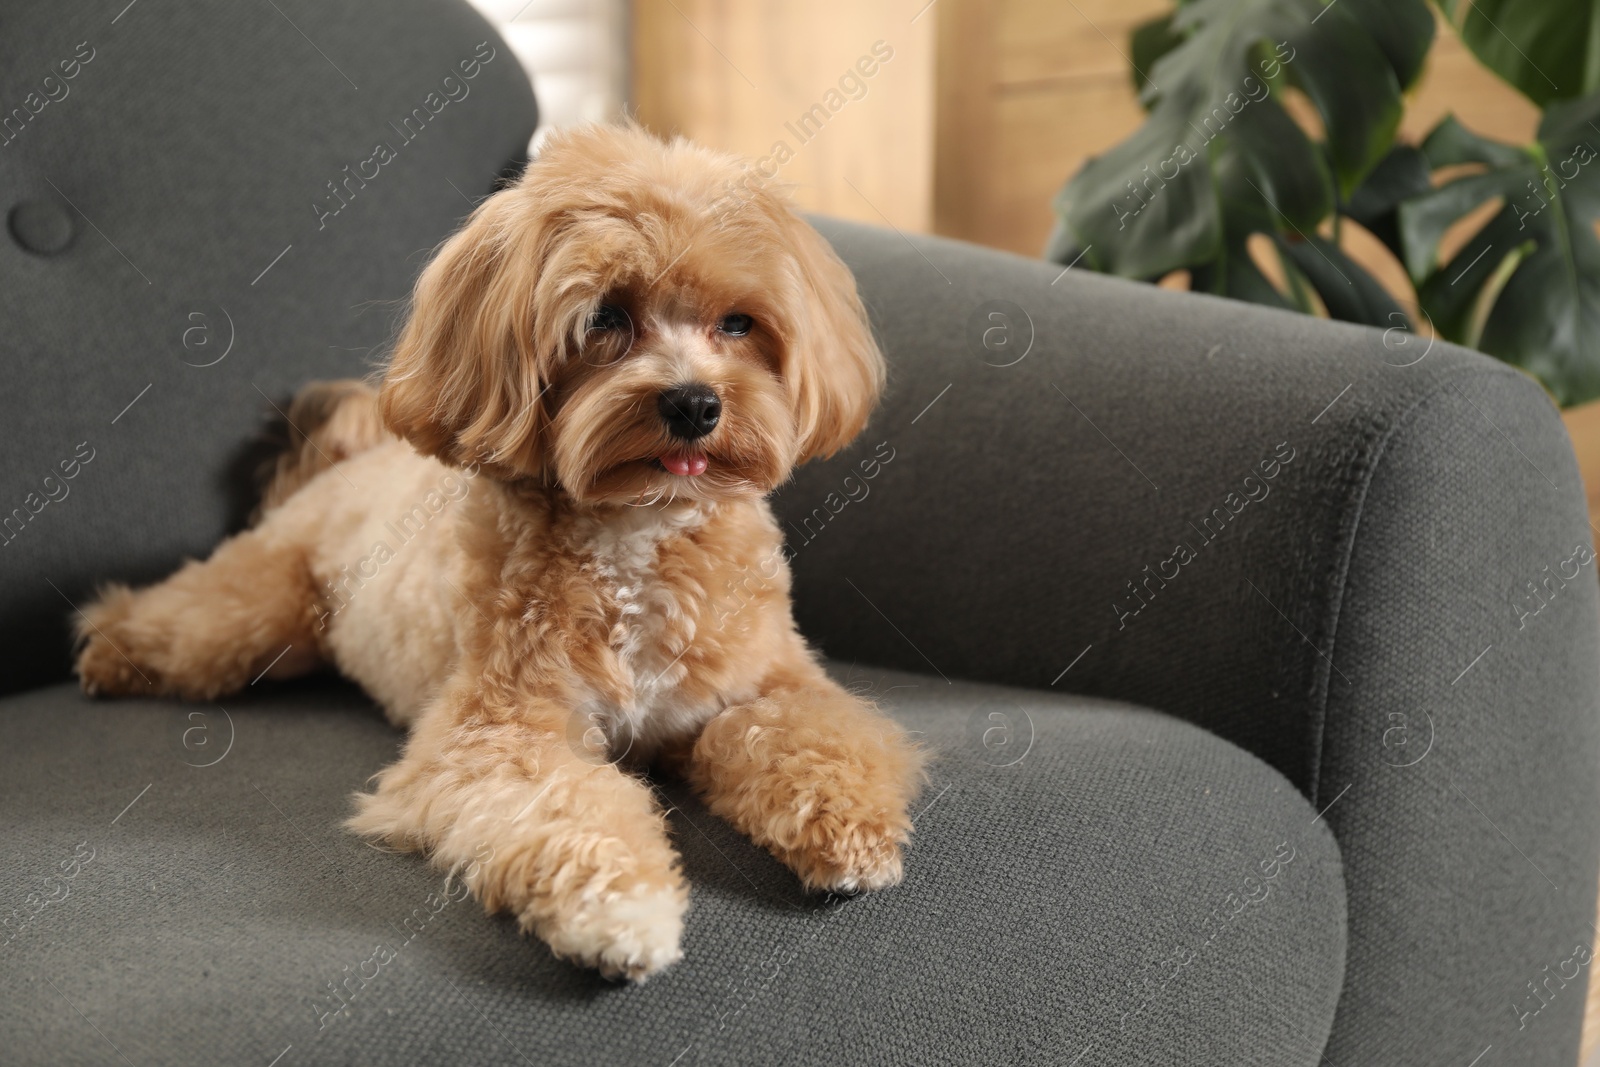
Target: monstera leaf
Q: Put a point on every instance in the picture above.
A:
(1150, 41)
(1219, 163)
(1548, 49)
(1526, 287)
(1219, 159)
(1403, 175)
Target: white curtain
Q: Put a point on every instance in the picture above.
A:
(575, 52)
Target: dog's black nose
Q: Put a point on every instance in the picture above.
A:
(690, 411)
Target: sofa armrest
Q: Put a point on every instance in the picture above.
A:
(1362, 558)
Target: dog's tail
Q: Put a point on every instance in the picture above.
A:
(327, 422)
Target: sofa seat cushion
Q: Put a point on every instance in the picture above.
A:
(1090, 883)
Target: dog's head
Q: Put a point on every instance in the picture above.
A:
(635, 321)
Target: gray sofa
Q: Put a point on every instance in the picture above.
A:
(1258, 653)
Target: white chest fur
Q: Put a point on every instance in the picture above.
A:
(653, 630)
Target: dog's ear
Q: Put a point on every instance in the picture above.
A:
(835, 372)
(464, 383)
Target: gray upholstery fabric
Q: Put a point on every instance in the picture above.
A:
(185, 157)
(1072, 890)
(1367, 624)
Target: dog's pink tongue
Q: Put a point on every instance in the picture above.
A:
(684, 466)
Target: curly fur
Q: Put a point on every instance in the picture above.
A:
(494, 546)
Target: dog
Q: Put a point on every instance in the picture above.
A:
(523, 543)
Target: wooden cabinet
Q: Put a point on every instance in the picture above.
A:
(835, 96)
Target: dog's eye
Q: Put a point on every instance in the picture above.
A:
(736, 325)
(608, 317)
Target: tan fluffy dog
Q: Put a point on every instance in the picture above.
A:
(603, 374)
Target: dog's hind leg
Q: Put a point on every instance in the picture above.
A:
(326, 422)
(211, 628)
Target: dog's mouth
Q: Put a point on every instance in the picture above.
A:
(687, 465)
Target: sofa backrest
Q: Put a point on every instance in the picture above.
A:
(206, 206)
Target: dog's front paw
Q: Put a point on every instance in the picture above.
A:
(630, 934)
(848, 851)
(822, 781)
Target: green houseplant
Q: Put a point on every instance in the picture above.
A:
(1219, 159)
